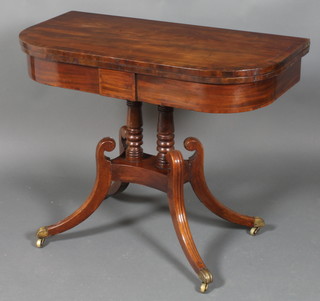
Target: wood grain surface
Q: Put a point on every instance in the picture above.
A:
(191, 67)
(179, 51)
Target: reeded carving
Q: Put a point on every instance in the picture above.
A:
(99, 191)
(179, 217)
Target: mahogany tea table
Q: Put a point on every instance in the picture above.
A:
(172, 66)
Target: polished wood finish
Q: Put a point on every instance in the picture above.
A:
(216, 98)
(175, 93)
(198, 182)
(117, 84)
(162, 49)
(134, 135)
(165, 135)
(184, 66)
(178, 211)
(170, 180)
(100, 190)
(170, 65)
(144, 172)
(63, 75)
(118, 186)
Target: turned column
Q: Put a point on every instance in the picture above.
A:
(134, 131)
(165, 135)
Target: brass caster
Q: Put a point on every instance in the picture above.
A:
(206, 278)
(257, 225)
(203, 287)
(254, 231)
(41, 234)
(40, 242)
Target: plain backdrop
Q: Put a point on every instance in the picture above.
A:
(265, 162)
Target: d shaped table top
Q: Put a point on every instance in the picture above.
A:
(185, 66)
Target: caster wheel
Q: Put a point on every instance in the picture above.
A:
(204, 287)
(254, 231)
(40, 243)
(41, 235)
(206, 277)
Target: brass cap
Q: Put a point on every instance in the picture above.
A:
(205, 276)
(259, 222)
(42, 232)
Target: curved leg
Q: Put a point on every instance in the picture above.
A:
(118, 186)
(100, 189)
(179, 218)
(198, 182)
